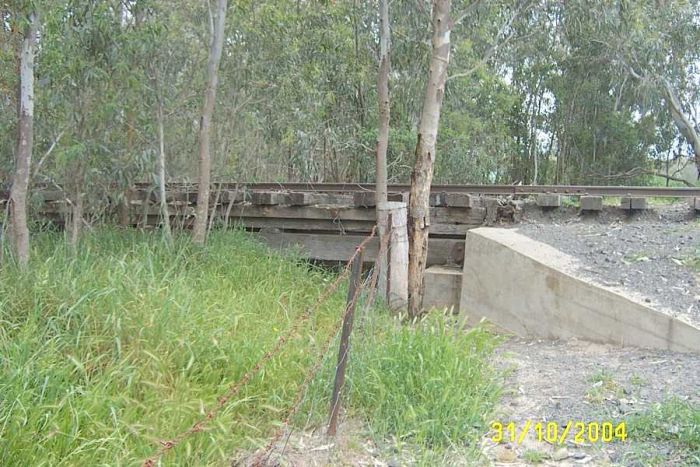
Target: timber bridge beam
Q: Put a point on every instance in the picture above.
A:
(327, 220)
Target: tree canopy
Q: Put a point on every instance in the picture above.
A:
(539, 91)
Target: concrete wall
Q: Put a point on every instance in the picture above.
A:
(526, 287)
(443, 287)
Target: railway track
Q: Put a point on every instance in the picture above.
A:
(493, 189)
(572, 190)
(503, 190)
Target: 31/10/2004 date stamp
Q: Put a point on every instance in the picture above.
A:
(552, 432)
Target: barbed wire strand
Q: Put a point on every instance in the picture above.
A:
(267, 452)
(281, 340)
(371, 284)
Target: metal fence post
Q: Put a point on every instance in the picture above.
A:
(344, 349)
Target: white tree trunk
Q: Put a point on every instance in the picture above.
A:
(20, 183)
(164, 213)
(384, 106)
(422, 176)
(216, 46)
(383, 101)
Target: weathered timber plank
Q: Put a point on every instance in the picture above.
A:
(461, 200)
(268, 198)
(339, 226)
(330, 198)
(632, 203)
(453, 229)
(271, 198)
(549, 200)
(341, 247)
(310, 225)
(367, 199)
(303, 224)
(471, 216)
(303, 212)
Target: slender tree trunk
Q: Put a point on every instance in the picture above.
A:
(382, 145)
(422, 176)
(383, 101)
(164, 213)
(20, 183)
(682, 122)
(76, 223)
(216, 46)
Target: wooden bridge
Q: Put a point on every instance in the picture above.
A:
(327, 221)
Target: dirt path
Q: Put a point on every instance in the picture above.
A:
(586, 382)
(544, 381)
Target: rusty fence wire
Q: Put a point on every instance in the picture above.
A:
(235, 388)
(262, 456)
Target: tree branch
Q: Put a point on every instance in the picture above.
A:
(641, 171)
(37, 168)
(496, 45)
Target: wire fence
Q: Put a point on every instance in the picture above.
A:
(263, 455)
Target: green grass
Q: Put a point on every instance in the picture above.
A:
(569, 202)
(105, 354)
(428, 386)
(674, 422)
(694, 260)
(429, 383)
(603, 385)
(532, 456)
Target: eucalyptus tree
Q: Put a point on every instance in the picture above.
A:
(90, 70)
(593, 84)
(653, 44)
(217, 31)
(25, 138)
(421, 178)
(383, 102)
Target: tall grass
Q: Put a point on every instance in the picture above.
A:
(107, 353)
(428, 386)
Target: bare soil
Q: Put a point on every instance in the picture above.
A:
(586, 382)
(544, 381)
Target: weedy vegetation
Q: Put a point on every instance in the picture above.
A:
(106, 353)
(675, 423)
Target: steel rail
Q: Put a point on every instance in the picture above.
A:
(571, 190)
(513, 190)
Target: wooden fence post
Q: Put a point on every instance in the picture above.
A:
(344, 349)
(393, 263)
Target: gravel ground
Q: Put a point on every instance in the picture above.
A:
(581, 381)
(647, 255)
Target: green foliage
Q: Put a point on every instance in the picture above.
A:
(673, 421)
(126, 344)
(532, 456)
(428, 385)
(546, 84)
